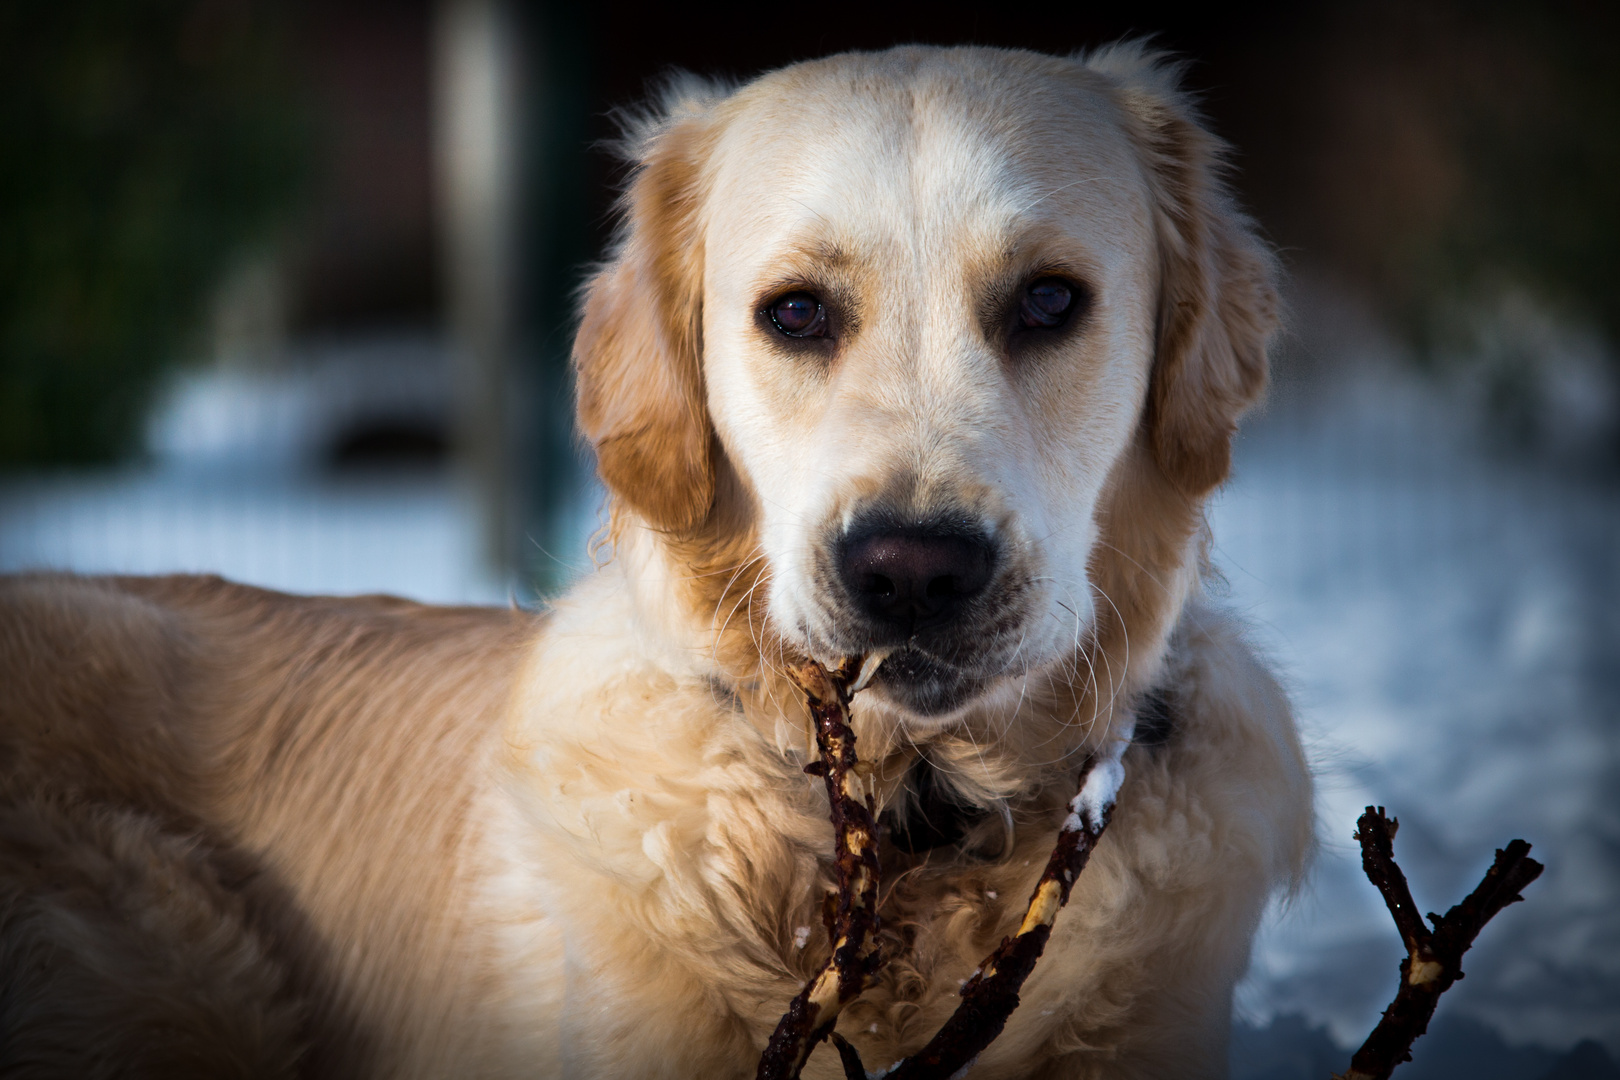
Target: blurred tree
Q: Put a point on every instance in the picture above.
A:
(143, 144)
(1453, 151)
(1518, 108)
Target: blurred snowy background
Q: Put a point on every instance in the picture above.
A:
(327, 476)
(289, 301)
(1447, 616)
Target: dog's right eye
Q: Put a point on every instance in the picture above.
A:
(1045, 304)
(799, 315)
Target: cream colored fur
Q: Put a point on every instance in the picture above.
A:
(266, 835)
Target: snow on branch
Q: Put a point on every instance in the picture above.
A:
(991, 995)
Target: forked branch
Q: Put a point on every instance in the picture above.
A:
(991, 995)
(1433, 958)
(1432, 964)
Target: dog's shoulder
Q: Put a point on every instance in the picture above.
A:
(1222, 681)
(1219, 739)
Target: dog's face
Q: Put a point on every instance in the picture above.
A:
(925, 345)
(915, 304)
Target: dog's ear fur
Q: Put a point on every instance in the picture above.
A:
(638, 353)
(1218, 299)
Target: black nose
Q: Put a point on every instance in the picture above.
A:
(912, 578)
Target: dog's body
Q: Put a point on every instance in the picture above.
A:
(931, 355)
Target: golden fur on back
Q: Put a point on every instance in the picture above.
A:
(251, 834)
(314, 761)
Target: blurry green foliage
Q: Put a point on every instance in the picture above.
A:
(143, 143)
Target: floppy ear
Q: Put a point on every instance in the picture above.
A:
(1217, 286)
(638, 353)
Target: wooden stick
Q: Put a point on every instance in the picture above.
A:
(854, 926)
(991, 995)
(1433, 959)
(1432, 964)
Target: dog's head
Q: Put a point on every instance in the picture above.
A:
(928, 351)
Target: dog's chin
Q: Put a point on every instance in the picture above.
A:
(929, 689)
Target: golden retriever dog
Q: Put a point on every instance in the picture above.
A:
(928, 353)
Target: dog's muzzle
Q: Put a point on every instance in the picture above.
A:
(919, 591)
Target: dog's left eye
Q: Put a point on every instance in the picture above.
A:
(799, 315)
(1045, 303)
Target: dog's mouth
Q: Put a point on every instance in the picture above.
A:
(935, 673)
(925, 657)
(919, 683)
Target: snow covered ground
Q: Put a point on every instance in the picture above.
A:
(410, 535)
(1449, 622)
(240, 481)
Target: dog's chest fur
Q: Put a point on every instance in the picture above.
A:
(683, 859)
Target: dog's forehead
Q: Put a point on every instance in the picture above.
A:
(870, 151)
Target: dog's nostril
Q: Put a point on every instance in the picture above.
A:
(878, 585)
(909, 578)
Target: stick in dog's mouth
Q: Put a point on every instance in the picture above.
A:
(991, 995)
(854, 925)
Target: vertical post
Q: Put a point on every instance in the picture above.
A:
(478, 136)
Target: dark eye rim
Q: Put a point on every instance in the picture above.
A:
(1079, 301)
(820, 323)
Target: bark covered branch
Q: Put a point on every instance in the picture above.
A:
(1433, 957)
(1432, 964)
(991, 995)
(854, 925)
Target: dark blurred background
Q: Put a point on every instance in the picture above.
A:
(285, 293)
